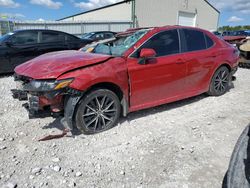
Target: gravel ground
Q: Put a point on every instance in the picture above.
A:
(185, 144)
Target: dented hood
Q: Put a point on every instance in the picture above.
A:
(52, 65)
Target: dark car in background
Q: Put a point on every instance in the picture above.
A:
(217, 33)
(235, 37)
(20, 46)
(99, 35)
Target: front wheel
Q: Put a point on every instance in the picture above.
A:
(98, 111)
(220, 82)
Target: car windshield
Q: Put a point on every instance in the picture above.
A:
(5, 37)
(87, 35)
(120, 45)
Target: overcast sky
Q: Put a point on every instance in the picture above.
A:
(233, 12)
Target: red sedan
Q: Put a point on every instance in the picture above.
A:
(150, 67)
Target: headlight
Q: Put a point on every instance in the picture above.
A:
(40, 85)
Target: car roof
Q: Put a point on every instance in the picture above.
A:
(96, 32)
(158, 29)
(23, 30)
(168, 27)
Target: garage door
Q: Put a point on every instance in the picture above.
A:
(187, 19)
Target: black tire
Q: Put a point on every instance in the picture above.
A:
(220, 82)
(238, 174)
(98, 111)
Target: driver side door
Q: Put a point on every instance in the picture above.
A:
(161, 79)
(23, 47)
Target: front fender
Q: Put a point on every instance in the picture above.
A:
(113, 71)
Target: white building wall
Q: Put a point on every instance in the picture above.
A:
(207, 17)
(151, 13)
(120, 12)
(166, 12)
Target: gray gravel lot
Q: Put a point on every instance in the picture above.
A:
(185, 144)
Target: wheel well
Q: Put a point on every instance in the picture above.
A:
(226, 65)
(117, 90)
(110, 86)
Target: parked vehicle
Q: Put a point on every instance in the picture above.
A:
(234, 37)
(146, 69)
(20, 46)
(99, 35)
(217, 33)
(244, 48)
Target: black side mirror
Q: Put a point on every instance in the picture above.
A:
(8, 43)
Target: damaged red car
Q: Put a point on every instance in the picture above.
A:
(150, 67)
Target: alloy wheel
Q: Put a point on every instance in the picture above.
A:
(99, 113)
(221, 81)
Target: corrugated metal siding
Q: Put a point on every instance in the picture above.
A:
(75, 28)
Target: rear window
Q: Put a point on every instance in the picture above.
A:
(108, 35)
(52, 37)
(71, 38)
(209, 41)
(195, 40)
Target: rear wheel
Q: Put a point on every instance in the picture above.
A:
(220, 82)
(98, 111)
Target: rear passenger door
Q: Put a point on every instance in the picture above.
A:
(200, 58)
(51, 41)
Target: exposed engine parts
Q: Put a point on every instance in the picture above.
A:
(244, 61)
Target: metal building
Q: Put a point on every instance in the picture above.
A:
(148, 13)
(74, 27)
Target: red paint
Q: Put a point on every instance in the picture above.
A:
(162, 80)
(146, 53)
(52, 65)
(54, 103)
(233, 38)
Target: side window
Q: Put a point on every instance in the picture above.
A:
(52, 37)
(195, 40)
(209, 41)
(23, 38)
(98, 36)
(108, 35)
(71, 38)
(164, 43)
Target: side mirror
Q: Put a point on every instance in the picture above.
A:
(8, 43)
(146, 53)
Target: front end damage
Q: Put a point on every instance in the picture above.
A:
(244, 48)
(46, 98)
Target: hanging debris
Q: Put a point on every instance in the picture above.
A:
(51, 137)
(244, 61)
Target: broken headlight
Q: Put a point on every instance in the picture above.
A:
(49, 85)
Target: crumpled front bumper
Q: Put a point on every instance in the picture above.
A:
(35, 105)
(19, 94)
